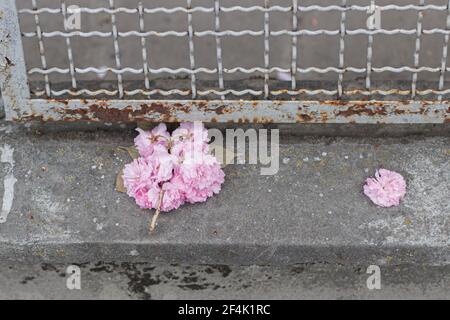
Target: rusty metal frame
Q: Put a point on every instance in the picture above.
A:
(238, 111)
(21, 107)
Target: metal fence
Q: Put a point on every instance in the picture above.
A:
(292, 61)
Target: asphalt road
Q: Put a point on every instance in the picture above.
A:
(144, 281)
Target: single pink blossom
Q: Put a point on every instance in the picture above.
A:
(201, 179)
(190, 136)
(136, 175)
(153, 195)
(173, 197)
(140, 195)
(188, 131)
(137, 179)
(146, 141)
(386, 189)
(162, 163)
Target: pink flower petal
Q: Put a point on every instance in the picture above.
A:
(186, 172)
(147, 141)
(386, 189)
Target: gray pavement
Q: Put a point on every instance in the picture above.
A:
(65, 208)
(146, 281)
(309, 228)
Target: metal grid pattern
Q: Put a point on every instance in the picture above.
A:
(266, 70)
(297, 89)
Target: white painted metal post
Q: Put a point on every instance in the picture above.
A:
(13, 77)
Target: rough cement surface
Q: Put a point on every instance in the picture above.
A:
(147, 281)
(65, 208)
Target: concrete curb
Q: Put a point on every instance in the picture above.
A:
(65, 208)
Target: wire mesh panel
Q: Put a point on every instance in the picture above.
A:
(361, 61)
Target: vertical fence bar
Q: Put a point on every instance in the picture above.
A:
(369, 55)
(444, 53)
(294, 45)
(116, 48)
(144, 46)
(266, 49)
(41, 49)
(191, 49)
(417, 50)
(342, 48)
(13, 76)
(69, 46)
(218, 46)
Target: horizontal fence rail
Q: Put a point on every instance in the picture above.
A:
(218, 81)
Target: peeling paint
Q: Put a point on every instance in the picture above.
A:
(8, 182)
(232, 111)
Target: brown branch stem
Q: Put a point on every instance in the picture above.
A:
(152, 225)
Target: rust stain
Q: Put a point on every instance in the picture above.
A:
(165, 111)
(359, 109)
(63, 101)
(323, 116)
(303, 117)
(110, 115)
(264, 120)
(223, 109)
(182, 107)
(399, 111)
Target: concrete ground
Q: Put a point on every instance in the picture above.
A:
(65, 207)
(144, 281)
(306, 232)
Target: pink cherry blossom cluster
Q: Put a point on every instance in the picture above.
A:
(386, 189)
(177, 166)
